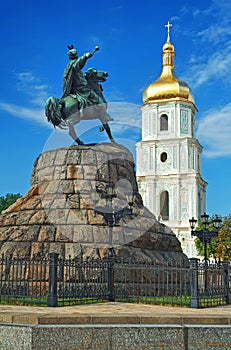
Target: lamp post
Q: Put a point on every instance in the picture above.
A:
(111, 214)
(112, 217)
(205, 235)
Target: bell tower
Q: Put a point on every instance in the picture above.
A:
(169, 170)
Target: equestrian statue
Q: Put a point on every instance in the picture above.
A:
(82, 97)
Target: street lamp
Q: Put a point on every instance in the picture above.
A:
(111, 214)
(112, 217)
(205, 235)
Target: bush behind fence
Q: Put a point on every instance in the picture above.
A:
(54, 281)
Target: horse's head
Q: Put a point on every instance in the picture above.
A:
(93, 74)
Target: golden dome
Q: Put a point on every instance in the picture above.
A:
(168, 47)
(167, 86)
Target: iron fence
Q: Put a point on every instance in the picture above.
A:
(55, 281)
(214, 284)
(82, 281)
(24, 279)
(151, 282)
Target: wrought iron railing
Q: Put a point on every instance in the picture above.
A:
(24, 279)
(54, 281)
(214, 284)
(150, 282)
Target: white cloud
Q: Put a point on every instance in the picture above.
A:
(216, 66)
(125, 113)
(214, 132)
(36, 95)
(24, 77)
(36, 115)
(211, 44)
(174, 18)
(31, 85)
(214, 34)
(210, 64)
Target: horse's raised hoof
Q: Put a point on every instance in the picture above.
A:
(79, 142)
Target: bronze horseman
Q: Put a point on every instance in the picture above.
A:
(82, 96)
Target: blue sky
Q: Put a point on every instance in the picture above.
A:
(130, 34)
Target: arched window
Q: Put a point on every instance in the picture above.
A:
(164, 205)
(163, 122)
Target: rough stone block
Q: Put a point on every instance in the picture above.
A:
(83, 234)
(74, 172)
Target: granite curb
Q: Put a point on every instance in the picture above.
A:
(114, 313)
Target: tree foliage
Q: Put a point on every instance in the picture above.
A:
(7, 200)
(211, 246)
(223, 246)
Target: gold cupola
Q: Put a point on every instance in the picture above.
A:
(167, 86)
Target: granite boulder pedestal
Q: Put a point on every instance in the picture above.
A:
(66, 208)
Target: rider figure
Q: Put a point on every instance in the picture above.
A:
(74, 82)
(79, 92)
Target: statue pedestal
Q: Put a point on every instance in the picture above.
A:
(66, 209)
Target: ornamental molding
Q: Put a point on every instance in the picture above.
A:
(182, 105)
(184, 124)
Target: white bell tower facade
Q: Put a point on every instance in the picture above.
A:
(169, 166)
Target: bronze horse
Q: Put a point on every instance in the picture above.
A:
(66, 112)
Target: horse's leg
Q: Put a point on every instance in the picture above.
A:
(108, 131)
(74, 136)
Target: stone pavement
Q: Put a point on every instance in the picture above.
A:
(114, 313)
(114, 326)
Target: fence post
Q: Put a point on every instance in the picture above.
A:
(194, 302)
(225, 265)
(52, 299)
(111, 294)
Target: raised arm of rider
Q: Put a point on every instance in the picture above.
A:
(80, 62)
(89, 54)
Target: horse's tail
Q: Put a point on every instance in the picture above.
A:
(53, 112)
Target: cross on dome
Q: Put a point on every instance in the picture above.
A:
(168, 25)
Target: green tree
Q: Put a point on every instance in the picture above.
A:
(211, 243)
(211, 247)
(7, 200)
(223, 246)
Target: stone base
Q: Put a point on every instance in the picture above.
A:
(116, 337)
(66, 209)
